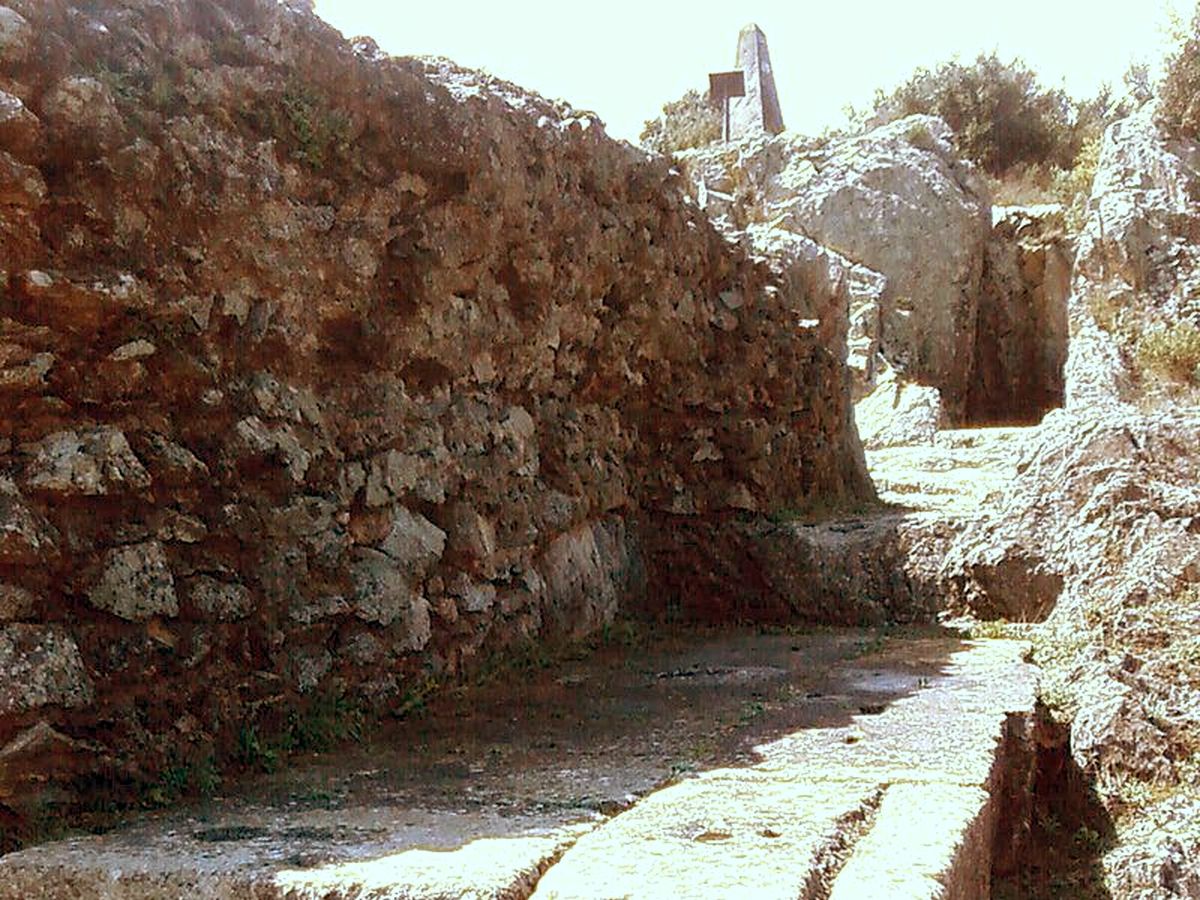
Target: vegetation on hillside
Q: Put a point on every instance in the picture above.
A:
(691, 121)
(1179, 93)
(1002, 116)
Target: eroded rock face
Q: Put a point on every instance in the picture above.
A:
(897, 201)
(1021, 336)
(937, 293)
(1138, 266)
(327, 371)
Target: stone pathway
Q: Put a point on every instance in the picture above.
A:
(954, 475)
(831, 764)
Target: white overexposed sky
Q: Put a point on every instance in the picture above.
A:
(624, 58)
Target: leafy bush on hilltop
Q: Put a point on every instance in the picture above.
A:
(690, 121)
(1000, 113)
(1179, 94)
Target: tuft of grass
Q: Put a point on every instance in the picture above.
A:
(198, 778)
(1170, 353)
(318, 133)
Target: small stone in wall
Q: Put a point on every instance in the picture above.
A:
(219, 600)
(259, 439)
(136, 584)
(40, 666)
(139, 349)
(309, 666)
(414, 542)
(16, 603)
(92, 463)
(20, 130)
(25, 537)
(16, 36)
(306, 611)
(383, 594)
(473, 597)
(391, 475)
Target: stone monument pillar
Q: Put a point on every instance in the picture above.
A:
(758, 111)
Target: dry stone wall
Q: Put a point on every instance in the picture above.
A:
(327, 373)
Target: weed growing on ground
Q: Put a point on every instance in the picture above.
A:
(1170, 353)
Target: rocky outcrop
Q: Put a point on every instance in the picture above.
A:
(1138, 266)
(897, 202)
(938, 294)
(327, 373)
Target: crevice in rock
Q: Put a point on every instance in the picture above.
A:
(1051, 830)
(833, 856)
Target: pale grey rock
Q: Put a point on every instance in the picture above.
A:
(307, 610)
(413, 542)
(385, 595)
(222, 601)
(16, 36)
(172, 463)
(1158, 857)
(898, 413)
(897, 201)
(96, 462)
(25, 537)
(309, 667)
(1136, 257)
(139, 349)
(40, 666)
(472, 596)
(585, 571)
(20, 130)
(136, 584)
(16, 603)
(259, 439)
(391, 475)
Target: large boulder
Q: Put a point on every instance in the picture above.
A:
(1138, 266)
(897, 201)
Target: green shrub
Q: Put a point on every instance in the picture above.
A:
(1001, 116)
(1179, 94)
(1074, 186)
(1171, 353)
(690, 121)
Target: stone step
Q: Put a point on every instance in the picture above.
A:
(830, 764)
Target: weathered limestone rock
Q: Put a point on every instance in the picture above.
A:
(756, 112)
(136, 583)
(25, 536)
(219, 601)
(384, 593)
(92, 463)
(20, 130)
(16, 35)
(898, 413)
(41, 666)
(16, 603)
(1137, 265)
(896, 201)
(414, 542)
(281, 441)
(587, 571)
(1097, 529)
